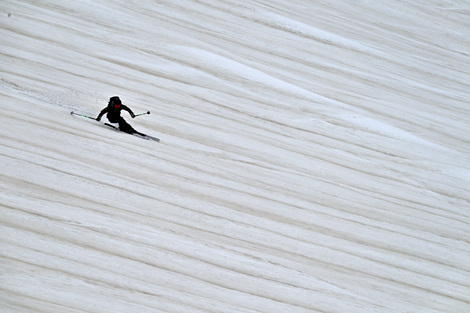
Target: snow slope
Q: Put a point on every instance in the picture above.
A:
(314, 156)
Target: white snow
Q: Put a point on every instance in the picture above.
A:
(314, 156)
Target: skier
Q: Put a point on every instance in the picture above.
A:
(114, 114)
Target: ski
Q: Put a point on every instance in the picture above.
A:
(137, 134)
(146, 137)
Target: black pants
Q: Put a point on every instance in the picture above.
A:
(123, 125)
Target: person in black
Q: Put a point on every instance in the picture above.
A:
(114, 114)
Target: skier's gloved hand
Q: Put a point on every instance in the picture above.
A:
(132, 115)
(98, 118)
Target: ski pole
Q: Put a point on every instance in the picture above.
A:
(75, 113)
(148, 112)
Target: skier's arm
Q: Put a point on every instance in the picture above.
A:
(125, 107)
(102, 113)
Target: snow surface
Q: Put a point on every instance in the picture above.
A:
(314, 156)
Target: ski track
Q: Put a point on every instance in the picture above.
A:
(313, 157)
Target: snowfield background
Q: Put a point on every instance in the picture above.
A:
(314, 156)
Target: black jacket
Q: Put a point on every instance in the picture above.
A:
(114, 114)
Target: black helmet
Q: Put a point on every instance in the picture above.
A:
(115, 100)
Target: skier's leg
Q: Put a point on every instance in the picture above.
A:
(125, 127)
(111, 119)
